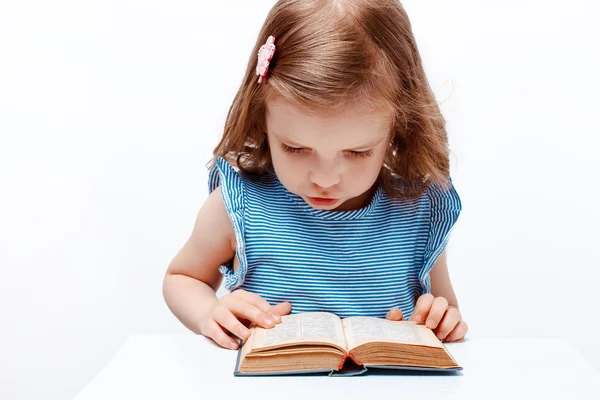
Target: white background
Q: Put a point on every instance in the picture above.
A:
(109, 111)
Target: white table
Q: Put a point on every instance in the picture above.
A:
(192, 367)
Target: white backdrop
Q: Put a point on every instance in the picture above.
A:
(109, 111)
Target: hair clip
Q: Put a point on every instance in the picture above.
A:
(265, 54)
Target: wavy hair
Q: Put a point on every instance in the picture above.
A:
(332, 54)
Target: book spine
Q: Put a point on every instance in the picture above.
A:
(354, 359)
(342, 363)
(348, 355)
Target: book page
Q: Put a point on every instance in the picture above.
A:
(311, 327)
(360, 330)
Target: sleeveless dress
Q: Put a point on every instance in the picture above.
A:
(361, 262)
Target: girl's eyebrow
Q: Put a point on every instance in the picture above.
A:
(369, 145)
(286, 140)
(293, 143)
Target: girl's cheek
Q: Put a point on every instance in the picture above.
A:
(364, 169)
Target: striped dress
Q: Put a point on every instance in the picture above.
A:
(361, 262)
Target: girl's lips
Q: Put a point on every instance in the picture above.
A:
(322, 201)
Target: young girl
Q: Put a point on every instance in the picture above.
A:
(340, 199)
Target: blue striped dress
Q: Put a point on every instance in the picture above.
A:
(360, 262)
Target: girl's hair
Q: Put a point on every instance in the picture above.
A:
(335, 54)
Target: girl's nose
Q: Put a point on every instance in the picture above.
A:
(325, 178)
(325, 181)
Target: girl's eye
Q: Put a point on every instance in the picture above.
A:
(290, 149)
(363, 154)
(297, 150)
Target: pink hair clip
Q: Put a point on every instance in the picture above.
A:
(265, 54)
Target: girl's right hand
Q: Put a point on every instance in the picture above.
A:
(225, 316)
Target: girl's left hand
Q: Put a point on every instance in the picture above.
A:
(445, 320)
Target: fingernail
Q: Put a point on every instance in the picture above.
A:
(276, 316)
(418, 317)
(245, 333)
(430, 323)
(233, 345)
(269, 321)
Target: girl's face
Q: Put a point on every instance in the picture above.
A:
(331, 162)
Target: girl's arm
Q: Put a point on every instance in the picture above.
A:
(193, 277)
(438, 309)
(440, 281)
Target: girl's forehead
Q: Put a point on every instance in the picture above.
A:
(350, 126)
(280, 111)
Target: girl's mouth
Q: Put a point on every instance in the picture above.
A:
(322, 201)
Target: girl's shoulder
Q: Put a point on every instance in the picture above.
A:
(435, 198)
(237, 185)
(444, 198)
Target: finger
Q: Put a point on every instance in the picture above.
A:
(422, 308)
(218, 335)
(253, 299)
(395, 314)
(227, 320)
(449, 321)
(283, 308)
(242, 308)
(437, 311)
(262, 304)
(458, 333)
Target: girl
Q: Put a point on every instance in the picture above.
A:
(340, 199)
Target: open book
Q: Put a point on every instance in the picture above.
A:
(322, 342)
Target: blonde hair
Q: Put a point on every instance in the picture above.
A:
(336, 53)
